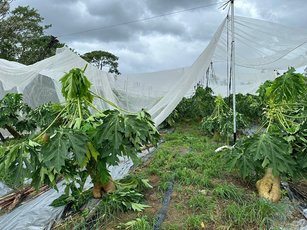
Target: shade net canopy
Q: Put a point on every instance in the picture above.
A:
(261, 49)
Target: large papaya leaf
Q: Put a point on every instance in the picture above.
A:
(289, 87)
(109, 136)
(121, 134)
(238, 158)
(19, 160)
(78, 143)
(56, 151)
(75, 85)
(272, 151)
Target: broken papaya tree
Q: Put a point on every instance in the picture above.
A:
(81, 141)
(279, 147)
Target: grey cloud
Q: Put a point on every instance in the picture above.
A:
(160, 6)
(139, 45)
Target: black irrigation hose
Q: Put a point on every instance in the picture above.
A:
(165, 204)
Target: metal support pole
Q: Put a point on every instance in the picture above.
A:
(232, 72)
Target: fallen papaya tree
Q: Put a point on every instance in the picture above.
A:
(280, 146)
(79, 143)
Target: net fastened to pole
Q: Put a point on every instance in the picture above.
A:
(232, 72)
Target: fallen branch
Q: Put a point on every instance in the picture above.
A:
(10, 201)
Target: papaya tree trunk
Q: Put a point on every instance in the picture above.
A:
(12, 131)
(269, 186)
(99, 188)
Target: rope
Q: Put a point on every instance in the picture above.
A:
(142, 19)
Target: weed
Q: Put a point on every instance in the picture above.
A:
(172, 226)
(205, 182)
(194, 222)
(137, 224)
(259, 212)
(229, 191)
(236, 214)
(202, 203)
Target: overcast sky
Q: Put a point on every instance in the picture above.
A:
(161, 43)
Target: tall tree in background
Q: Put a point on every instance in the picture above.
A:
(22, 37)
(102, 59)
(4, 8)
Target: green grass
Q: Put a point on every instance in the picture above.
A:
(259, 212)
(142, 223)
(205, 192)
(229, 191)
(194, 222)
(202, 203)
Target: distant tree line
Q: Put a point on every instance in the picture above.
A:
(23, 39)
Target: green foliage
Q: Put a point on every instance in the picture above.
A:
(170, 121)
(127, 197)
(121, 134)
(76, 86)
(259, 213)
(202, 203)
(22, 37)
(75, 200)
(103, 59)
(136, 224)
(263, 91)
(45, 114)
(282, 145)
(260, 152)
(221, 120)
(135, 183)
(229, 191)
(4, 8)
(248, 106)
(290, 87)
(194, 221)
(14, 114)
(200, 105)
(82, 144)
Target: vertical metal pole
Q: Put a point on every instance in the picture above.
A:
(233, 72)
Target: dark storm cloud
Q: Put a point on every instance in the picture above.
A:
(71, 17)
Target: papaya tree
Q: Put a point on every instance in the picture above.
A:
(219, 122)
(14, 115)
(279, 147)
(81, 141)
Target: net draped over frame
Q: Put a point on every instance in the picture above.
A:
(261, 48)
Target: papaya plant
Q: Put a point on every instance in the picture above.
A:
(78, 143)
(200, 105)
(249, 106)
(13, 115)
(220, 122)
(279, 148)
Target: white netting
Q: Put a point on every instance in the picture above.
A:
(261, 47)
